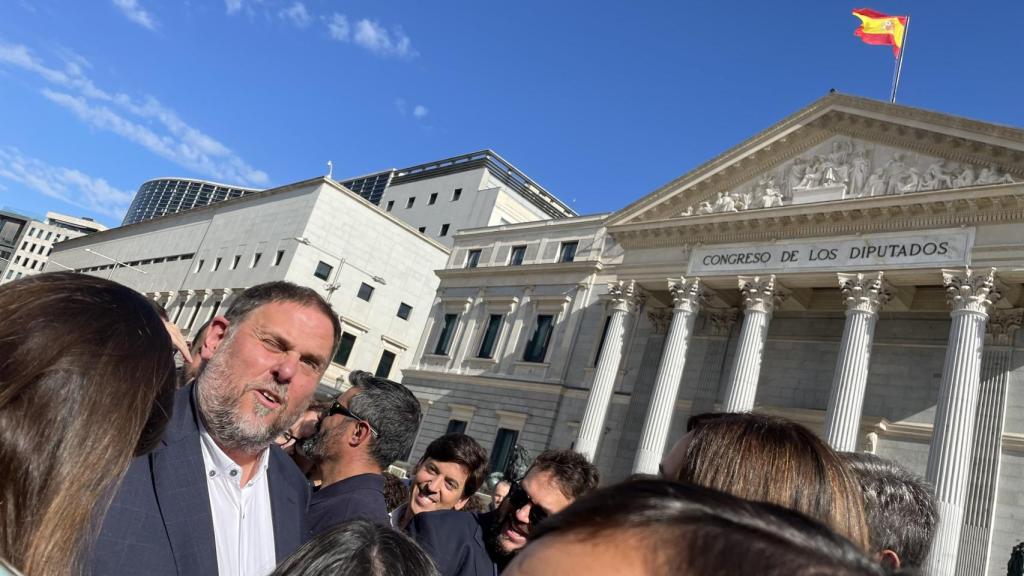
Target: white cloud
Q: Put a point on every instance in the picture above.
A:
(376, 39)
(338, 27)
(162, 131)
(135, 13)
(420, 111)
(233, 6)
(67, 184)
(297, 14)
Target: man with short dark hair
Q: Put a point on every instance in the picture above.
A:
(500, 492)
(367, 428)
(464, 544)
(446, 477)
(900, 510)
(216, 496)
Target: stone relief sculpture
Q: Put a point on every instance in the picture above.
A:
(841, 168)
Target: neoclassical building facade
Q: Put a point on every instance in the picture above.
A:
(857, 267)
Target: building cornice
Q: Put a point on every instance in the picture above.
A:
(583, 268)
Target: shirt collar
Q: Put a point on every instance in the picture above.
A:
(220, 464)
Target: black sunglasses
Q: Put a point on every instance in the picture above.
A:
(517, 498)
(337, 408)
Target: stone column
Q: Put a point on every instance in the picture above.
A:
(760, 296)
(996, 364)
(864, 297)
(686, 301)
(949, 458)
(622, 296)
(719, 326)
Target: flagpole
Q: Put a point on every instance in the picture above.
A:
(899, 61)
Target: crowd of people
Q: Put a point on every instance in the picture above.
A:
(113, 462)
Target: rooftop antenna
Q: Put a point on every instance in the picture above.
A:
(330, 169)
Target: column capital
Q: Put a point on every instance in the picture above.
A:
(624, 295)
(1002, 326)
(760, 293)
(687, 295)
(722, 320)
(970, 292)
(864, 292)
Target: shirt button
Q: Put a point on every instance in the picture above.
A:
(213, 473)
(234, 472)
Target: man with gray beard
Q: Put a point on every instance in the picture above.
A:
(216, 496)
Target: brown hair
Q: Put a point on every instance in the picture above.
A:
(775, 460)
(464, 451)
(86, 380)
(574, 474)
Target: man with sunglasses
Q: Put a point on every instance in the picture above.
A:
(464, 544)
(367, 428)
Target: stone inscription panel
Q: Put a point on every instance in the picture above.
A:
(927, 249)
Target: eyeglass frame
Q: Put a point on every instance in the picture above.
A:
(537, 512)
(339, 408)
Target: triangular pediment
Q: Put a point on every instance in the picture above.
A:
(840, 148)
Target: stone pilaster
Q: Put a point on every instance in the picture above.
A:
(621, 297)
(687, 296)
(982, 485)
(949, 458)
(760, 296)
(864, 296)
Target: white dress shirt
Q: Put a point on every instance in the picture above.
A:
(242, 520)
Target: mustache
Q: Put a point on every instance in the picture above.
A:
(278, 390)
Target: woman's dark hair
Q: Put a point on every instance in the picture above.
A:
(86, 381)
(769, 459)
(396, 491)
(463, 450)
(697, 531)
(358, 548)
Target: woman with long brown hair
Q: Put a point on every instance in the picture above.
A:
(86, 380)
(774, 460)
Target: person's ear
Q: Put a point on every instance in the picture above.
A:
(359, 433)
(889, 559)
(462, 503)
(215, 334)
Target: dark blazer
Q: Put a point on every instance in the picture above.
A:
(454, 540)
(160, 521)
(357, 498)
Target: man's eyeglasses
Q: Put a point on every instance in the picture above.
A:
(517, 498)
(337, 408)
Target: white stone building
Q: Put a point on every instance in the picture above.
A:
(36, 244)
(857, 267)
(374, 269)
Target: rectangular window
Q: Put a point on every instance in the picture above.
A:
(444, 338)
(235, 261)
(504, 445)
(216, 264)
(444, 229)
(256, 259)
(433, 199)
(9, 274)
(404, 310)
(387, 360)
(518, 253)
(423, 229)
(567, 253)
(48, 235)
(365, 291)
(456, 427)
(323, 270)
(537, 346)
(216, 308)
(348, 341)
(600, 344)
(490, 339)
(195, 313)
(410, 201)
(456, 194)
(199, 266)
(391, 204)
(473, 259)
(278, 257)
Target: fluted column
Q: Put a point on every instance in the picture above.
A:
(686, 301)
(864, 296)
(949, 458)
(760, 296)
(719, 324)
(622, 295)
(982, 485)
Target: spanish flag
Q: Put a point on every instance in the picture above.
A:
(878, 28)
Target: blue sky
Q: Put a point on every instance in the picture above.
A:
(600, 102)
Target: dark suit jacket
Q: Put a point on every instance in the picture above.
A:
(455, 541)
(160, 521)
(357, 498)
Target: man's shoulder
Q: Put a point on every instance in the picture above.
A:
(455, 541)
(466, 524)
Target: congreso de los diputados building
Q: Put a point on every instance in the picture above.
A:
(857, 267)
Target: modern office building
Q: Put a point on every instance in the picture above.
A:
(36, 245)
(437, 198)
(857, 267)
(162, 196)
(375, 270)
(12, 227)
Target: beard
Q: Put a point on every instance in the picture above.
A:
(221, 406)
(317, 446)
(499, 555)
